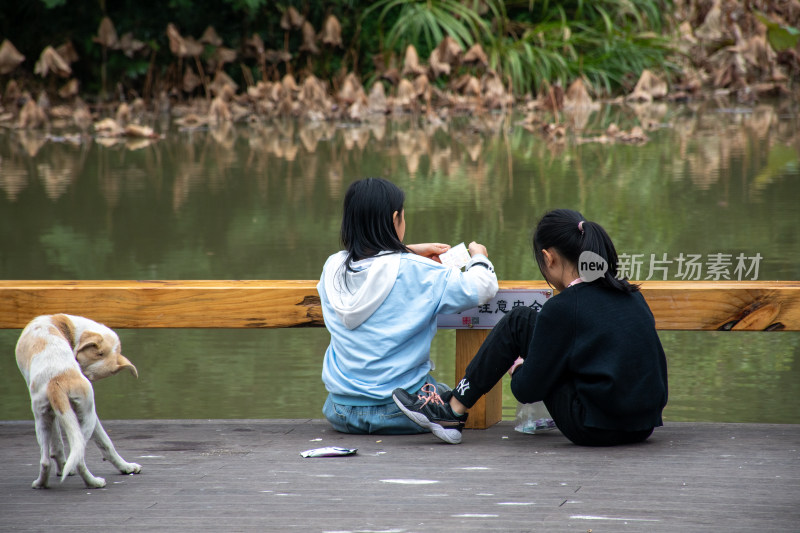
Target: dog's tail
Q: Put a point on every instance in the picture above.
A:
(77, 445)
(63, 394)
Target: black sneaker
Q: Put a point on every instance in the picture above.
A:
(430, 411)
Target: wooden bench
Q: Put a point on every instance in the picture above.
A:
(676, 305)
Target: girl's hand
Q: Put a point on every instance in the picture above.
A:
(430, 250)
(518, 362)
(475, 248)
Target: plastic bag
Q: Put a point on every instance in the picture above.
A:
(533, 418)
(330, 451)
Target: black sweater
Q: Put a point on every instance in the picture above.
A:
(605, 342)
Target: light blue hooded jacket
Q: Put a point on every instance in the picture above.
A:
(383, 319)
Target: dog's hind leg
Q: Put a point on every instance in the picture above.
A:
(57, 449)
(77, 425)
(84, 409)
(103, 442)
(44, 424)
(91, 480)
(76, 436)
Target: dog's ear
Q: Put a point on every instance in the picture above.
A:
(89, 340)
(123, 363)
(65, 327)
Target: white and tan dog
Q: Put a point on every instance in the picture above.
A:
(56, 354)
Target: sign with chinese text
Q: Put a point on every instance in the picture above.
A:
(487, 315)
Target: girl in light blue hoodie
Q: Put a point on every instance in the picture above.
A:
(380, 299)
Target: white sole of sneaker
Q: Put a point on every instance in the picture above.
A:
(449, 435)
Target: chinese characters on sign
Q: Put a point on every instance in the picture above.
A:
(486, 316)
(714, 267)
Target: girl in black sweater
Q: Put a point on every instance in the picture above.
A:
(592, 353)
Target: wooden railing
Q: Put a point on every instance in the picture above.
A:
(676, 305)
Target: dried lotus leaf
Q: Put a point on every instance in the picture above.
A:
(50, 61)
(331, 33)
(10, 57)
(210, 37)
(309, 39)
(107, 34)
(291, 19)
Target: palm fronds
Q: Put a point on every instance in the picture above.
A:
(426, 22)
(530, 42)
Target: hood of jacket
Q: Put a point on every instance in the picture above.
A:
(355, 295)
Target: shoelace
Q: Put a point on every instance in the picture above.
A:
(429, 394)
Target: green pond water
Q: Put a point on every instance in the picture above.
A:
(263, 201)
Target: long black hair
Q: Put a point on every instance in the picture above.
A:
(570, 234)
(367, 220)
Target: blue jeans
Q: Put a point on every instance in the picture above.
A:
(385, 419)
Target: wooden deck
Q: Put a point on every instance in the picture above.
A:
(245, 475)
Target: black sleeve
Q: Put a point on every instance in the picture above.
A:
(547, 359)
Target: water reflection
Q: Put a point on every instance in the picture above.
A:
(695, 142)
(262, 200)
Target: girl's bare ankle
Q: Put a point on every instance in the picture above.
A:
(457, 407)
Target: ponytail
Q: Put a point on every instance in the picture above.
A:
(595, 239)
(570, 234)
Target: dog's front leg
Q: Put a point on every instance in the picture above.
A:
(57, 449)
(44, 424)
(103, 442)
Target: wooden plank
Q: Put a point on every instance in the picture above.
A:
(165, 304)
(716, 305)
(676, 305)
(712, 305)
(489, 409)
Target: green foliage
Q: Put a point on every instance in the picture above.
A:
(609, 59)
(250, 6)
(605, 47)
(528, 42)
(604, 41)
(179, 4)
(780, 37)
(425, 23)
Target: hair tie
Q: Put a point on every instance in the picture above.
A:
(580, 226)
